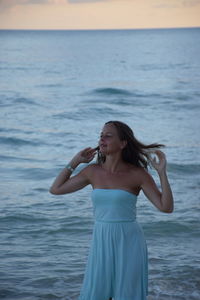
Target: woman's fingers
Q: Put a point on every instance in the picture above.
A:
(157, 159)
(160, 154)
(88, 153)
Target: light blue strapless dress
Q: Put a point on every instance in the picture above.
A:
(117, 262)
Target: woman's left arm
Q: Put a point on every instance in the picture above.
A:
(162, 200)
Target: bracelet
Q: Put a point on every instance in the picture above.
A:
(68, 167)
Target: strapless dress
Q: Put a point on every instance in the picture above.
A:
(117, 264)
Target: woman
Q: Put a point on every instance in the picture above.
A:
(117, 262)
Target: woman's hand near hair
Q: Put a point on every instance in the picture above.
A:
(64, 184)
(84, 156)
(162, 200)
(159, 161)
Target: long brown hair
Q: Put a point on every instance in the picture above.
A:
(135, 152)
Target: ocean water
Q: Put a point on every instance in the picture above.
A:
(57, 89)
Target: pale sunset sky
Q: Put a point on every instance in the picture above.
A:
(98, 14)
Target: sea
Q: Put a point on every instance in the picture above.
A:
(57, 89)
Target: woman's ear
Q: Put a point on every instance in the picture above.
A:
(123, 144)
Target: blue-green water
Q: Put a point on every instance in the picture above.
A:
(57, 88)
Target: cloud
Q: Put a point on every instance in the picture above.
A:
(190, 3)
(84, 1)
(4, 4)
(158, 3)
(9, 3)
(162, 4)
(175, 3)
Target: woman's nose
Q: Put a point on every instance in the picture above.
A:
(102, 138)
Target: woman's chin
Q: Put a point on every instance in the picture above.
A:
(103, 150)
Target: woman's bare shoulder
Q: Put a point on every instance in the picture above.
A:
(140, 172)
(91, 168)
(91, 171)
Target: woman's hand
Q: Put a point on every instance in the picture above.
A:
(158, 161)
(84, 156)
(64, 184)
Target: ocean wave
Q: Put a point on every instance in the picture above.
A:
(46, 224)
(27, 101)
(111, 91)
(126, 93)
(6, 101)
(21, 218)
(34, 173)
(117, 102)
(10, 158)
(16, 130)
(184, 168)
(96, 111)
(13, 141)
(172, 228)
(50, 85)
(122, 97)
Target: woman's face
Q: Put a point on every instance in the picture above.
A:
(109, 141)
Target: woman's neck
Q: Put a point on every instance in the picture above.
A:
(113, 163)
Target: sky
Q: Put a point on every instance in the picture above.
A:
(98, 14)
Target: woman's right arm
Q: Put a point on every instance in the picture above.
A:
(64, 184)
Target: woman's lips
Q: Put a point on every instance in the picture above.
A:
(102, 145)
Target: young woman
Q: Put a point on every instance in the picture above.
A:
(117, 263)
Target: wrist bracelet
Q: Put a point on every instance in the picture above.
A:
(68, 167)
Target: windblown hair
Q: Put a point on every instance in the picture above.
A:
(135, 152)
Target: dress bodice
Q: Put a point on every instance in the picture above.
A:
(114, 205)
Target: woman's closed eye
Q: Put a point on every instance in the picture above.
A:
(105, 136)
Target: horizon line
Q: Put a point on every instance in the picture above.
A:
(97, 29)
